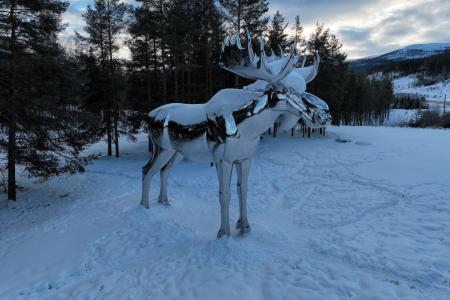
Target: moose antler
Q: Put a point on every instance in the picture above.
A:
(256, 67)
(310, 72)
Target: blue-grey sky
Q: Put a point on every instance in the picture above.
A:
(365, 27)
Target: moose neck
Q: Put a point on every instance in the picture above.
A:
(258, 124)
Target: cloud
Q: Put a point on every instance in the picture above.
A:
(365, 27)
(374, 26)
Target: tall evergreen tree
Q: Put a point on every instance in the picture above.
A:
(208, 33)
(104, 23)
(143, 48)
(330, 82)
(276, 36)
(298, 39)
(38, 110)
(246, 13)
(179, 43)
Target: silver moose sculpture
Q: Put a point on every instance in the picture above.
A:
(227, 129)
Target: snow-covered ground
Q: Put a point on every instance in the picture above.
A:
(400, 117)
(434, 94)
(367, 219)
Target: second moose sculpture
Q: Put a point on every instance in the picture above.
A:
(227, 129)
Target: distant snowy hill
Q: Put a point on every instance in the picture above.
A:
(410, 52)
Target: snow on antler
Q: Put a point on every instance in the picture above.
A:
(256, 67)
(270, 68)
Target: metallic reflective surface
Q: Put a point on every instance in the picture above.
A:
(227, 129)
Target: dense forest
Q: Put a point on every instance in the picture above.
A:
(54, 101)
(430, 69)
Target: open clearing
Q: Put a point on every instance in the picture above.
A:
(367, 219)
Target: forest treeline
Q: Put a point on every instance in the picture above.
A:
(55, 101)
(429, 70)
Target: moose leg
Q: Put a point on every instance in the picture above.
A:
(243, 170)
(161, 158)
(224, 170)
(164, 175)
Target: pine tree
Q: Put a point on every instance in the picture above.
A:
(104, 22)
(180, 44)
(39, 111)
(298, 38)
(180, 39)
(149, 52)
(331, 80)
(276, 36)
(246, 13)
(207, 36)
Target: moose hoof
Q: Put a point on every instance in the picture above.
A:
(164, 202)
(222, 233)
(145, 204)
(243, 228)
(238, 224)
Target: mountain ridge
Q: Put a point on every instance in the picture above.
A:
(411, 52)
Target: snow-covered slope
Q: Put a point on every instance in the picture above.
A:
(367, 219)
(417, 51)
(410, 52)
(434, 94)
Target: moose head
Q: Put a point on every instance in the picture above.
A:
(282, 73)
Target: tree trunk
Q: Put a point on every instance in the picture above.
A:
(164, 84)
(189, 85)
(108, 132)
(147, 70)
(211, 88)
(12, 115)
(183, 90)
(175, 83)
(116, 133)
(12, 161)
(163, 70)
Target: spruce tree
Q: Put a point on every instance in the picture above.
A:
(246, 13)
(276, 36)
(331, 79)
(40, 120)
(104, 23)
(298, 39)
(207, 36)
(143, 45)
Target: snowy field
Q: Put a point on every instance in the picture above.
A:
(434, 94)
(367, 219)
(400, 117)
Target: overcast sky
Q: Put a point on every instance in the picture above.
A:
(365, 27)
